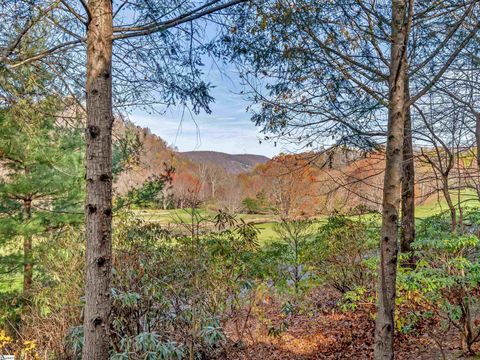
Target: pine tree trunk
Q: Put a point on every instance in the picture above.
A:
(98, 209)
(384, 324)
(27, 250)
(407, 236)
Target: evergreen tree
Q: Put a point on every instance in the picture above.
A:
(41, 180)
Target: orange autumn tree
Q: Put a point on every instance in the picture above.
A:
(290, 183)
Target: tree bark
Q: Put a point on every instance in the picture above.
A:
(467, 336)
(98, 209)
(27, 250)
(477, 143)
(407, 235)
(384, 324)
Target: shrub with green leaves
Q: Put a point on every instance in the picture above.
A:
(447, 274)
(284, 261)
(341, 250)
(171, 294)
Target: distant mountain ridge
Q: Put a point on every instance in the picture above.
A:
(232, 163)
(156, 155)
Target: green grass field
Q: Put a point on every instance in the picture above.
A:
(468, 198)
(10, 281)
(266, 223)
(184, 215)
(267, 232)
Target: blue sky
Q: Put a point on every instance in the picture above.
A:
(227, 129)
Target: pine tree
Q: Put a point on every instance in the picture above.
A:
(41, 180)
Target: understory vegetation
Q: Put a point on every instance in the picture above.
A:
(209, 295)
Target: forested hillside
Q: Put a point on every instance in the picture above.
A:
(337, 180)
(233, 164)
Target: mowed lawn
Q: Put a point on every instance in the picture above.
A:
(266, 223)
(176, 216)
(468, 198)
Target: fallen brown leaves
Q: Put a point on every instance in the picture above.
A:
(324, 332)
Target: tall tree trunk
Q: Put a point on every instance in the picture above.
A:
(384, 324)
(477, 143)
(98, 209)
(407, 236)
(27, 250)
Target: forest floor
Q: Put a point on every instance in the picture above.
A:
(328, 333)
